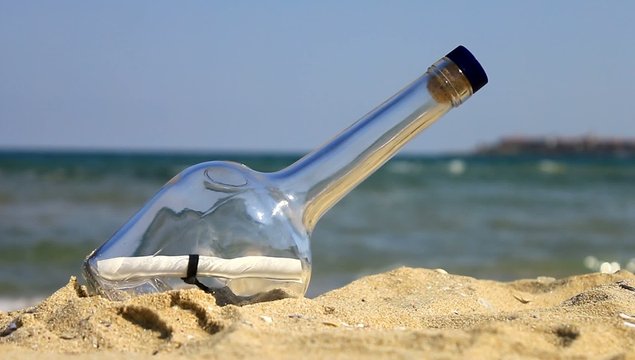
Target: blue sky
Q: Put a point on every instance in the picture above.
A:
(287, 76)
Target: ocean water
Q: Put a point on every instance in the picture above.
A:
(497, 218)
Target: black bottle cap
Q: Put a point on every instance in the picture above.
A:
(468, 64)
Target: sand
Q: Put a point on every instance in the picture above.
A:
(404, 313)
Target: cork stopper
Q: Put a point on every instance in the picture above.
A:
(456, 77)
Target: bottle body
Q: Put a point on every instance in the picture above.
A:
(246, 234)
(215, 209)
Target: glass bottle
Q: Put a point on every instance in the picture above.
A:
(243, 235)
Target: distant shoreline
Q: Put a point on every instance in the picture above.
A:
(584, 145)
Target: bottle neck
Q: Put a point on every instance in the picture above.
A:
(323, 177)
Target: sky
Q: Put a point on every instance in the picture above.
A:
(286, 76)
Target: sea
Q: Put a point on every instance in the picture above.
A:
(489, 217)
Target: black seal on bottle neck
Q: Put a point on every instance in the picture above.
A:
(468, 64)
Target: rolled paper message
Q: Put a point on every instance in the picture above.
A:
(126, 268)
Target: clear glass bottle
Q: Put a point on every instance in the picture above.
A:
(244, 235)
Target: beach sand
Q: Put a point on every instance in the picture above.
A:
(404, 313)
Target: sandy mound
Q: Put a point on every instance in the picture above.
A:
(402, 313)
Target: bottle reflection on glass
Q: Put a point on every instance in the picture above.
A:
(243, 235)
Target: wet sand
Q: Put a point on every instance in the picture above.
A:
(404, 313)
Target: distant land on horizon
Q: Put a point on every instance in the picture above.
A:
(554, 145)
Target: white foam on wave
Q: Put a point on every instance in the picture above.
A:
(456, 167)
(607, 267)
(550, 167)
